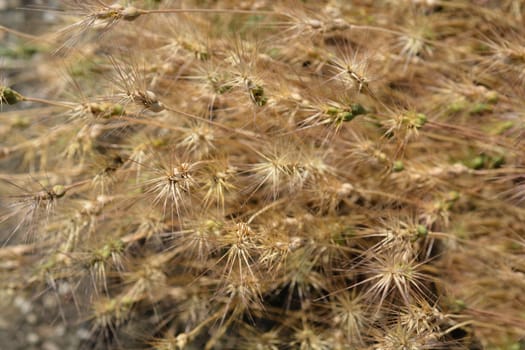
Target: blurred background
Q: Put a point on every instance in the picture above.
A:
(16, 14)
(31, 322)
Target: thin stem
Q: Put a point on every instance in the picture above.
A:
(47, 102)
(232, 11)
(262, 210)
(236, 130)
(19, 34)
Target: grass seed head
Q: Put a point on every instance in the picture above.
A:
(9, 96)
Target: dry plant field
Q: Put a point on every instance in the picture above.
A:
(266, 175)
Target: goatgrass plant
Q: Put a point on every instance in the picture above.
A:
(271, 174)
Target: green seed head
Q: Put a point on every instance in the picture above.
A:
(110, 248)
(478, 162)
(453, 196)
(457, 106)
(9, 96)
(421, 231)
(492, 97)
(332, 111)
(459, 305)
(222, 89)
(357, 109)
(497, 162)
(59, 191)
(398, 166)
(202, 55)
(127, 301)
(347, 116)
(480, 108)
(257, 95)
(158, 142)
(21, 123)
(118, 109)
(421, 120)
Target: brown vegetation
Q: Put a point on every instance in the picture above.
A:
(272, 174)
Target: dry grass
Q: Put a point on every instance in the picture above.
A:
(272, 175)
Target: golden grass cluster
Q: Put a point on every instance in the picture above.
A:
(271, 174)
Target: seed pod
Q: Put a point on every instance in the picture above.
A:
(117, 109)
(149, 100)
(332, 111)
(480, 108)
(452, 196)
(257, 94)
(152, 102)
(59, 191)
(338, 24)
(130, 13)
(105, 110)
(478, 162)
(398, 166)
(421, 120)
(497, 162)
(492, 97)
(314, 23)
(222, 89)
(422, 231)
(347, 116)
(9, 96)
(357, 109)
